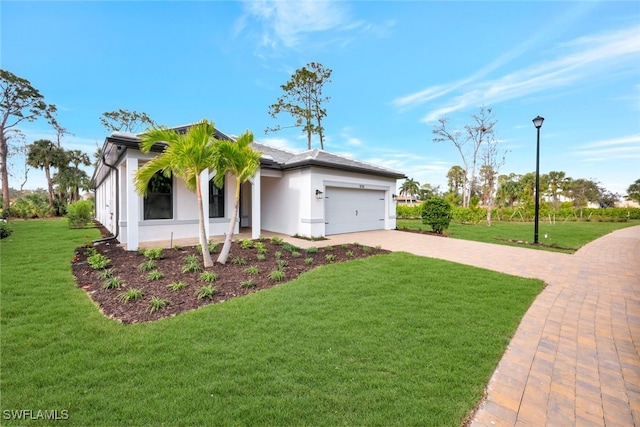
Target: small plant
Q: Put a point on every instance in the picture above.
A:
(129, 295)
(295, 254)
(239, 261)
(261, 257)
(253, 270)
(206, 292)
(154, 275)
(154, 253)
(176, 286)
(260, 247)
(148, 265)
(378, 247)
(213, 246)
(277, 240)
(366, 249)
(246, 244)
(5, 229)
(112, 283)
(276, 275)
(312, 250)
(349, 254)
(344, 246)
(282, 264)
(157, 304)
(98, 261)
(356, 244)
(208, 276)
(105, 274)
(192, 264)
(289, 247)
(328, 248)
(330, 257)
(278, 254)
(177, 247)
(308, 261)
(90, 251)
(248, 284)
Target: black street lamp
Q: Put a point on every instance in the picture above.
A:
(537, 122)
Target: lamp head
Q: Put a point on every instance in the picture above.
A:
(537, 122)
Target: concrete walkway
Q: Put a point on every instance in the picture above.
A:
(575, 358)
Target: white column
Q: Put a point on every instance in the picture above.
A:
(133, 206)
(256, 225)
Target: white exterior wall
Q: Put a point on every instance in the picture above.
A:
(105, 202)
(289, 204)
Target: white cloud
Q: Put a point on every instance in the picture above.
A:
(625, 147)
(591, 57)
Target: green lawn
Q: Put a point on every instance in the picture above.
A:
(388, 340)
(563, 237)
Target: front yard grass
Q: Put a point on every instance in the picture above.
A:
(559, 237)
(388, 340)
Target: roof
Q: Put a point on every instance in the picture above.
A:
(118, 143)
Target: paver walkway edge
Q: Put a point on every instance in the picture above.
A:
(575, 357)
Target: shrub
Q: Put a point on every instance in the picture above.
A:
(98, 261)
(248, 284)
(330, 257)
(436, 212)
(5, 229)
(192, 264)
(105, 274)
(80, 213)
(239, 261)
(246, 244)
(311, 250)
(154, 275)
(148, 265)
(33, 205)
(308, 261)
(176, 286)
(129, 295)
(154, 253)
(206, 292)
(253, 270)
(157, 304)
(208, 276)
(112, 283)
(276, 275)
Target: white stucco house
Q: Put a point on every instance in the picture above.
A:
(312, 193)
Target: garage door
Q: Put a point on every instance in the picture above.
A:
(351, 209)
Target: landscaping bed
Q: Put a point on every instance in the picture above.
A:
(131, 287)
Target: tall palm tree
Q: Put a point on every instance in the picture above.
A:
(44, 154)
(186, 156)
(410, 188)
(242, 161)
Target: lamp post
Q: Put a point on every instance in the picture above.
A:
(537, 122)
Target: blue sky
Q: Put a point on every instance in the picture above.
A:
(397, 67)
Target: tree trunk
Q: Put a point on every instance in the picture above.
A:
(47, 173)
(204, 243)
(3, 171)
(226, 247)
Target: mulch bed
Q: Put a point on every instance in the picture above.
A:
(125, 265)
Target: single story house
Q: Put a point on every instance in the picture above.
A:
(312, 193)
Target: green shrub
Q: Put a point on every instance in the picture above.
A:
(148, 265)
(436, 212)
(80, 213)
(154, 275)
(5, 229)
(98, 261)
(276, 275)
(33, 205)
(157, 304)
(205, 292)
(129, 295)
(208, 276)
(176, 286)
(247, 284)
(192, 264)
(153, 253)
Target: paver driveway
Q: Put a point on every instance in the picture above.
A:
(575, 358)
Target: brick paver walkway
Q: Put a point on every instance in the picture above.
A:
(575, 358)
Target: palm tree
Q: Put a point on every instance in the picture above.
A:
(186, 156)
(239, 159)
(43, 154)
(410, 188)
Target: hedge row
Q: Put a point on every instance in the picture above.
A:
(478, 214)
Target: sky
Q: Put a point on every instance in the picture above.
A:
(397, 68)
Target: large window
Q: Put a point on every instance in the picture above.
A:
(216, 201)
(158, 203)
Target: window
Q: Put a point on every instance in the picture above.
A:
(216, 200)
(158, 203)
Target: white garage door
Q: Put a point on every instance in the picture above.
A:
(351, 209)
